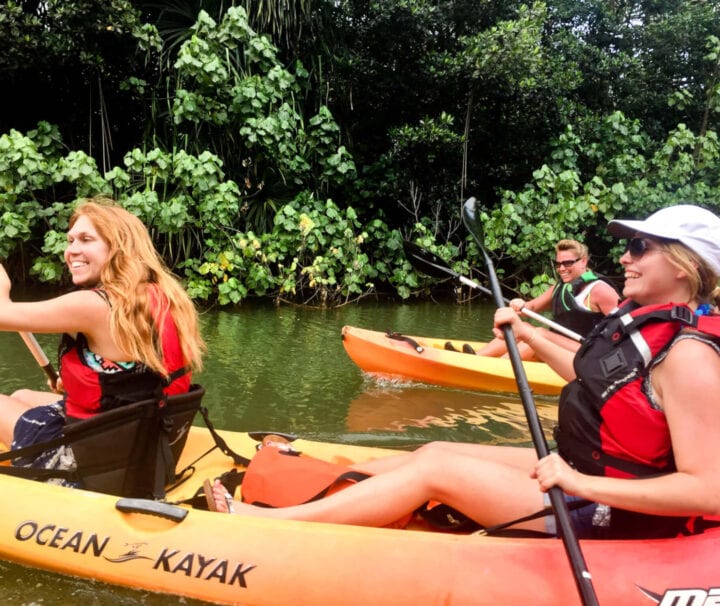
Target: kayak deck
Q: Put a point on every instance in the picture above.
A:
(258, 562)
(427, 360)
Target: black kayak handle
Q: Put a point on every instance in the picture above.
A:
(153, 508)
(400, 337)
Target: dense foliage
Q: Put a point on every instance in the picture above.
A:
(286, 149)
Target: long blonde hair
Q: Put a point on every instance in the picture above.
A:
(133, 266)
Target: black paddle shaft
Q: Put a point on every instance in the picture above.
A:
(582, 576)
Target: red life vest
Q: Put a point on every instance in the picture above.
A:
(93, 384)
(607, 424)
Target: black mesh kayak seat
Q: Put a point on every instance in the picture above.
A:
(131, 451)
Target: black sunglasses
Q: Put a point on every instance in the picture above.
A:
(566, 264)
(637, 247)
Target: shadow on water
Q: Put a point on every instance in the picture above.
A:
(285, 369)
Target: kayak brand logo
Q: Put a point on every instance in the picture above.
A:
(202, 567)
(686, 597)
(50, 535)
(173, 561)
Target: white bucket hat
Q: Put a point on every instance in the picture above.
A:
(695, 227)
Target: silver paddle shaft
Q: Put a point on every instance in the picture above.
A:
(529, 313)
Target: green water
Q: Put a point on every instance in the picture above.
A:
(285, 369)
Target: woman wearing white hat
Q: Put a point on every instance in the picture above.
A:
(644, 407)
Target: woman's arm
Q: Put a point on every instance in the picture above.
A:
(78, 311)
(540, 303)
(557, 357)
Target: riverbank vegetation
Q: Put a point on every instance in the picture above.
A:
(285, 149)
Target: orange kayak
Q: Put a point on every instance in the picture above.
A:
(428, 360)
(230, 559)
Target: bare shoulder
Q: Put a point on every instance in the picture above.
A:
(606, 287)
(76, 311)
(691, 370)
(86, 299)
(684, 348)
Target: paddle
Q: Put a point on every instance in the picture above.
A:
(582, 576)
(40, 357)
(432, 265)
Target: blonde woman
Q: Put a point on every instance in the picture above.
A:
(638, 424)
(129, 330)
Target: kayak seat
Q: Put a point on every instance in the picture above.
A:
(132, 451)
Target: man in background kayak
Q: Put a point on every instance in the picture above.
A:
(578, 302)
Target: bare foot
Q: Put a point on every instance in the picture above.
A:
(218, 498)
(224, 503)
(271, 440)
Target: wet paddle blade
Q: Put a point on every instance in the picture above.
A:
(472, 221)
(474, 226)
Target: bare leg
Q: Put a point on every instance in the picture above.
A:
(10, 411)
(563, 341)
(522, 458)
(498, 349)
(494, 349)
(526, 352)
(35, 398)
(488, 491)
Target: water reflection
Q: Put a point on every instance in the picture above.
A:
(388, 406)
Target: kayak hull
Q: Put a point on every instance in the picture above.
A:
(379, 355)
(240, 560)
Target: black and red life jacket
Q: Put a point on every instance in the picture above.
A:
(607, 424)
(93, 384)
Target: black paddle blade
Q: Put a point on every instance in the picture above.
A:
(474, 226)
(471, 219)
(427, 262)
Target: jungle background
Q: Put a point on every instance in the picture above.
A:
(284, 150)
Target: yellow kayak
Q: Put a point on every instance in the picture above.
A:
(428, 360)
(233, 559)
